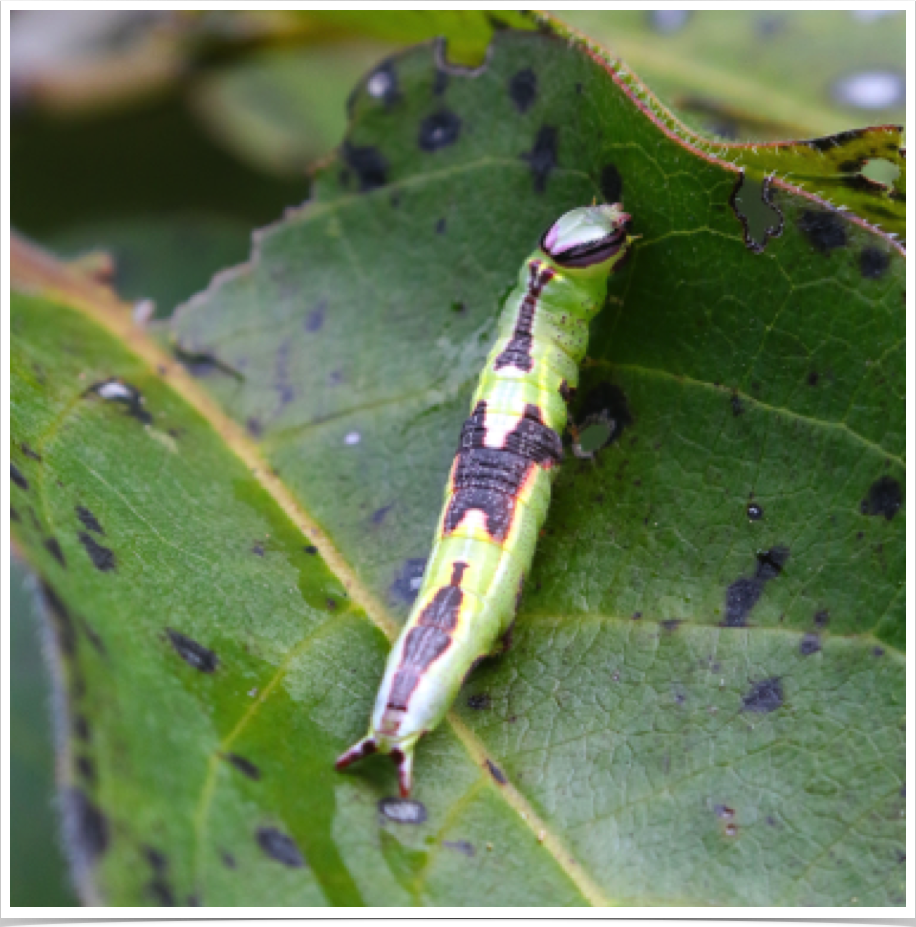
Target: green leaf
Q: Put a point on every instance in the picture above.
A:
(708, 677)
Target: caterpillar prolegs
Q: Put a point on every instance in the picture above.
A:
(499, 487)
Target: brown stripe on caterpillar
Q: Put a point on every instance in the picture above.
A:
(530, 438)
(517, 352)
(430, 639)
(458, 568)
(423, 646)
(489, 480)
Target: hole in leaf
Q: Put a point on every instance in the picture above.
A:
(595, 436)
(752, 206)
(880, 170)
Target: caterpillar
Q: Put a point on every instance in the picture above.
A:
(498, 490)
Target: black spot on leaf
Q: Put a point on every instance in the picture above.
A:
(103, 558)
(161, 893)
(878, 651)
(496, 772)
(94, 638)
(192, 653)
(279, 846)
(885, 496)
(479, 702)
(29, 452)
(754, 511)
(200, 364)
(873, 263)
(764, 696)
(440, 227)
(86, 768)
(228, 860)
(813, 378)
(403, 810)
(368, 164)
(378, 516)
(81, 729)
(810, 643)
(14, 515)
(611, 184)
(311, 549)
(671, 624)
(17, 477)
(460, 846)
(245, 767)
(824, 230)
(742, 595)
(115, 390)
(770, 562)
(85, 824)
(157, 860)
(737, 405)
(821, 618)
(90, 522)
(439, 130)
(315, 319)
(253, 427)
(826, 142)
(543, 157)
(52, 546)
(523, 89)
(59, 614)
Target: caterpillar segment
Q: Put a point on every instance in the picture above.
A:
(498, 490)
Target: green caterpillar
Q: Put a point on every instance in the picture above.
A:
(499, 486)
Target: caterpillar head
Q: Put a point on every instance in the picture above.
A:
(590, 238)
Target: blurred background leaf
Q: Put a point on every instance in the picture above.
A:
(763, 74)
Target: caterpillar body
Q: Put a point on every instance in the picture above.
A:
(498, 490)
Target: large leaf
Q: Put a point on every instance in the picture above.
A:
(707, 682)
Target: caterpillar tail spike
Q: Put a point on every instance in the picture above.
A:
(401, 755)
(498, 490)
